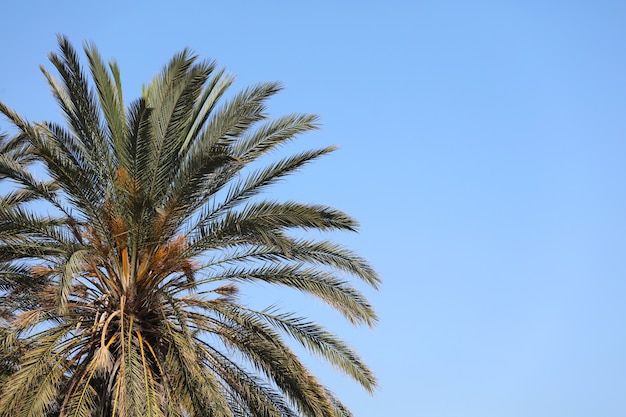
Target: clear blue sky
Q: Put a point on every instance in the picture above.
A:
(483, 149)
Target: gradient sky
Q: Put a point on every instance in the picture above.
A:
(482, 147)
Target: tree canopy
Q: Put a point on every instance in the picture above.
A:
(121, 265)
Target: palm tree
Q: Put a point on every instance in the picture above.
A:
(119, 270)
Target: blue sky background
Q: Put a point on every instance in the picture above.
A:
(482, 147)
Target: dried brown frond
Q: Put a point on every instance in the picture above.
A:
(227, 290)
(40, 271)
(47, 295)
(26, 319)
(92, 237)
(103, 360)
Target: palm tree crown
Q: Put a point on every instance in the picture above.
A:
(119, 270)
